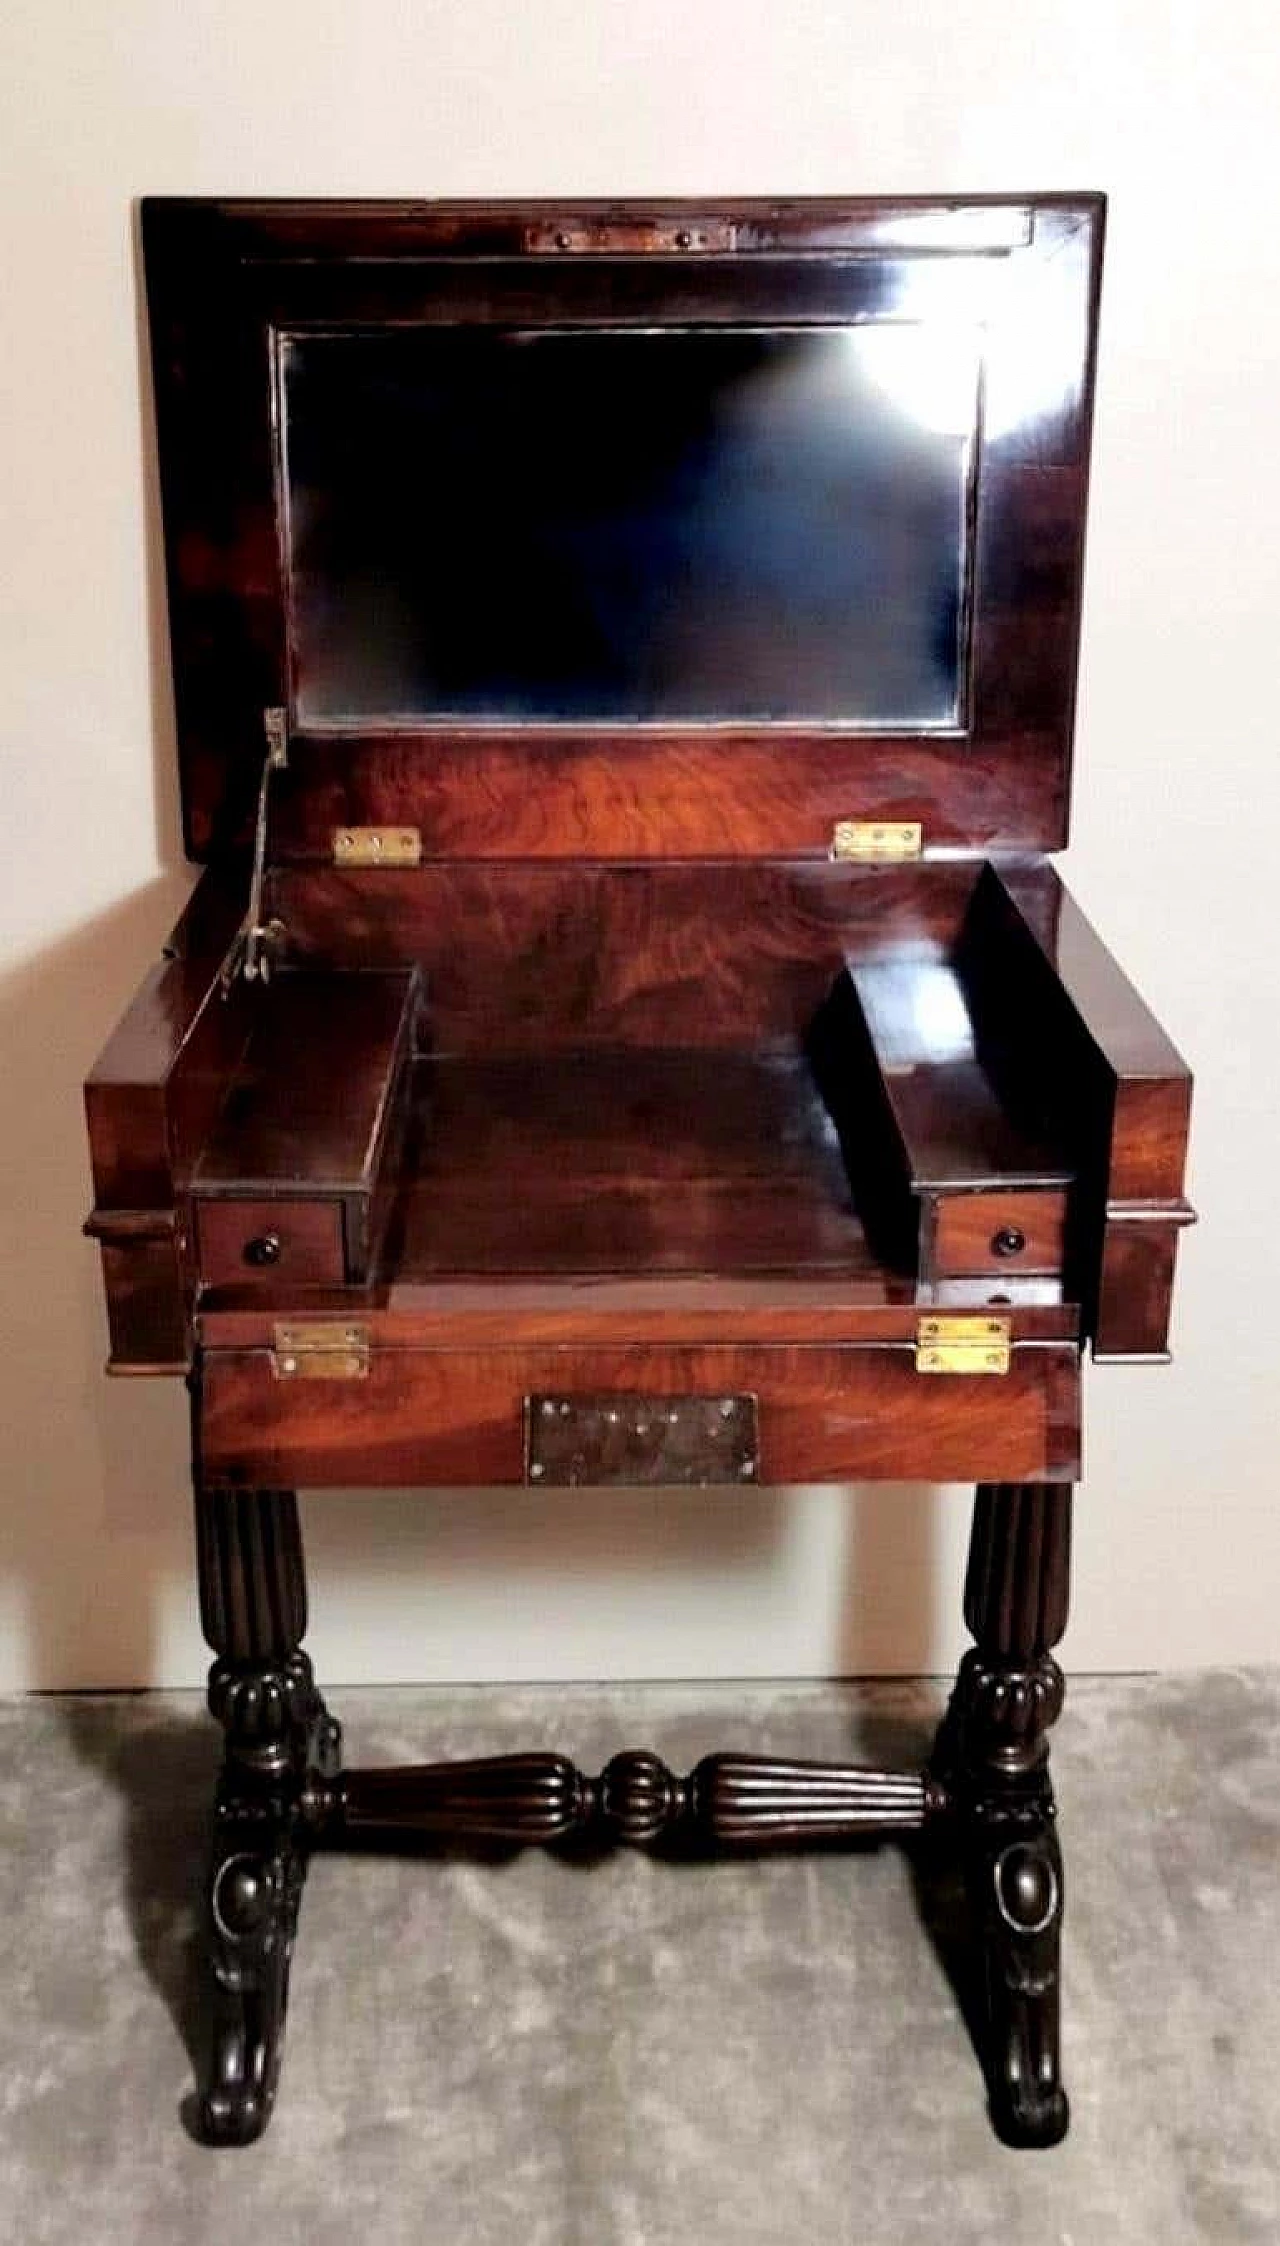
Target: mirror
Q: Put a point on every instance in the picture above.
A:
(629, 525)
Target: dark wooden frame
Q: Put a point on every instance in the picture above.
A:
(226, 279)
(596, 898)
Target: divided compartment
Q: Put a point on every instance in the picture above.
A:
(298, 1177)
(818, 1099)
(953, 1174)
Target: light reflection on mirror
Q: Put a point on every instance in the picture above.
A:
(635, 525)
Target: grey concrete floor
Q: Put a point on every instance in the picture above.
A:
(641, 2053)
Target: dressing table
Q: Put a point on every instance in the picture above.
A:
(630, 1026)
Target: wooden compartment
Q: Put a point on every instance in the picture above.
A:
(296, 1179)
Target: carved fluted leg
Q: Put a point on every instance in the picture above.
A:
(992, 1756)
(261, 1689)
(532, 1799)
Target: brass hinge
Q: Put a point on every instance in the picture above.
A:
(323, 1349)
(962, 1345)
(872, 839)
(376, 846)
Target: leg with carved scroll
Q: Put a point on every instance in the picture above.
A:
(992, 1756)
(253, 1609)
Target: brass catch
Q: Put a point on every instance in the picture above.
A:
(322, 1349)
(962, 1345)
(872, 839)
(607, 237)
(376, 846)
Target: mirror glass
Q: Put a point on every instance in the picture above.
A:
(629, 525)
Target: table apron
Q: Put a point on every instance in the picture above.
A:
(456, 1417)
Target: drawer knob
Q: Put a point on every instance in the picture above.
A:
(1008, 1241)
(262, 1250)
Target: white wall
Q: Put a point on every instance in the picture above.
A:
(1169, 105)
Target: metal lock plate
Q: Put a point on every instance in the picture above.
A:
(630, 1442)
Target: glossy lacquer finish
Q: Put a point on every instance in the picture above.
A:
(622, 552)
(764, 709)
(612, 525)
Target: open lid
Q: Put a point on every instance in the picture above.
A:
(615, 531)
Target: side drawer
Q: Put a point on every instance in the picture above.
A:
(268, 1240)
(998, 1233)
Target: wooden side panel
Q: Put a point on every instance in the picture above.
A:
(145, 1314)
(1138, 1257)
(1065, 1031)
(454, 1417)
(150, 1101)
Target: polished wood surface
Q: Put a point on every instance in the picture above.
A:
(308, 1104)
(226, 280)
(720, 1069)
(620, 1160)
(992, 1759)
(455, 1418)
(1003, 1234)
(299, 1243)
(150, 1102)
(535, 957)
(629, 1092)
(1063, 1031)
(956, 1131)
(573, 1309)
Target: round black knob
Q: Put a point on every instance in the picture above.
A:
(1008, 1241)
(264, 1249)
(684, 239)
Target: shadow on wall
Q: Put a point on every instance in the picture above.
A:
(95, 1507)
(586, 1585)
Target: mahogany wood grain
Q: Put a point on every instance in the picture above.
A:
(307, 1238)
(691, 1111)
(999, 1233)
(1062, 1029)
(226, 280)
(455, 1417)
(534, 957)
(573, 1311)
(147, 1317)
(1139, 1252)
(956, 1131)
(711, 792)
(308, 1104)
(626, 1160)
(150, 1101)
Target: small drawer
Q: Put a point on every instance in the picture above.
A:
(998, 1232)
(296, 1241)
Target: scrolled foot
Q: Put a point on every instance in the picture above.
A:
(255, 1883)
(1016, 1883)
(235, 2105)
